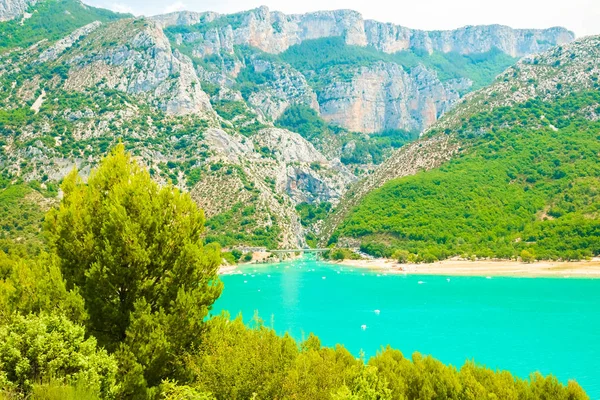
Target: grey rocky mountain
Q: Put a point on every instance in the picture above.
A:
(172, 88)
(11, 9)
(275, 32)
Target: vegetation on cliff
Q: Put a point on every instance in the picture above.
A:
(51, 20)
(316, 57)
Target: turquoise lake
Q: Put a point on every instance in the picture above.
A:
(518, 324)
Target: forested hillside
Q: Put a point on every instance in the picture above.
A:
(524, 184)
(117, 307)
(252, 128)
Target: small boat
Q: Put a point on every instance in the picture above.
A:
(377, 312)
(363, 327)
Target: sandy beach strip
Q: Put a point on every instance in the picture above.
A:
(455, 267)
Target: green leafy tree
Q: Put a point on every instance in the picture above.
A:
(44, 347)
(527, 256)
(401, 256)
(34, 286)
(368, 385)
(135, 251)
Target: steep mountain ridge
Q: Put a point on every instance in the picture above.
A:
(275, 32)
(218, 124)
(531, 135)
(369, 94)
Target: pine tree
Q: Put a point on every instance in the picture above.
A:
(135, 251)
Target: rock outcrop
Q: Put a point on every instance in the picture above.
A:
(11, 9)
(391, 38)
(365, 99)
(285, 87)
(59, 47)
(288, 172)
(385, 96)
(136, 57)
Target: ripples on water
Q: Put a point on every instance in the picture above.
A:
(518, 324)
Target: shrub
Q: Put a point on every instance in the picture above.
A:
(50, 347)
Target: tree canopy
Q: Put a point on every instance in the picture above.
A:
(135, 251)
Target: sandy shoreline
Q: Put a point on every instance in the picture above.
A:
(556, 269)
(454, 267)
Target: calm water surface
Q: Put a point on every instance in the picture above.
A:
(518, 324)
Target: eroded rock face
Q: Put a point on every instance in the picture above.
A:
(275, 32)
(11, 9)
(385, 96)
(139, 62)
(391, 38)
(272, 32)
(59, 47)
(375, 98)
(288, 172)
(285, 87)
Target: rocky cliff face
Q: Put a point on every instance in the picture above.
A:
(140, 62)
(11, 9)
(272, 32)
(471, 39)
(385, 97)
(564, 69)
(285, 87)
(374, 97)
(271, 185)
(275, 32)
(123, 81)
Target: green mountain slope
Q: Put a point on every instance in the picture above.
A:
(316, 58)
(525, 183)
(51, 20)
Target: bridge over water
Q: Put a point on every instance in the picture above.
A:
(308, 250)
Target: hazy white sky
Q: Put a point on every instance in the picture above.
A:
(580, 16)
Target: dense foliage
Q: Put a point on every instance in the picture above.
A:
(136, 274)
(20, 217)
(303, 120)
(135, 251)
(528, 182)
(311, 213)
(239, 362)
(44, 347)
(51, 20)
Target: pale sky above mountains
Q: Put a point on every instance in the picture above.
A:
(580, 16)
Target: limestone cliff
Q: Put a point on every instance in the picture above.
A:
(367, 98)
(385, 96)
(11, 9)
(196, 98)
(470, 39)
(274, 32)
(556, 73)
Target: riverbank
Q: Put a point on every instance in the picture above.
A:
(456, 267)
